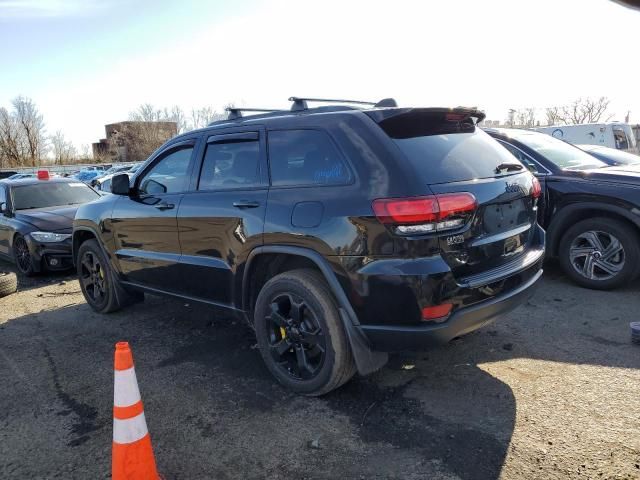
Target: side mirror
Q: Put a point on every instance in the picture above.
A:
(120, 184)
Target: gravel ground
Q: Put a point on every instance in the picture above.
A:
(551, 391)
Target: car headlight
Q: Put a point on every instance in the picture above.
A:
(49, 237)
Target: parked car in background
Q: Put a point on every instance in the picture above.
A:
(339, 233)
(610, 156)
(103, 184)
(18, 176)
(87, 174)
(111, 171)
(589, 209)
(36, 216)
(619, 136)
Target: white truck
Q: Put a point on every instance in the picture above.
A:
(612, 134)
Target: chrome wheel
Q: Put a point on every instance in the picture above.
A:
(597, 255)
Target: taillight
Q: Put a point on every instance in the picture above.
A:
(42, 174)
(433, 213)
(536, 189)
(436, 312)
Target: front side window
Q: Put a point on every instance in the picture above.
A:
(233, 164)
(305, 157)
(169, 174)
(622, 142)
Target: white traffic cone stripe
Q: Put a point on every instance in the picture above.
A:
(130, 430)
(125, 392)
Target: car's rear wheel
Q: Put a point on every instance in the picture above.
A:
(600, 253)
(22, 256)
(300, 333)
(99, 286)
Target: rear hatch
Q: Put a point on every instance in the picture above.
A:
(482, 201)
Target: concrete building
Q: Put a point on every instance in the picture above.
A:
(132, 141)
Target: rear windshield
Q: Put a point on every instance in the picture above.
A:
(43, 195)
(453, 157)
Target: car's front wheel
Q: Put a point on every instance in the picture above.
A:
(300, 333)
(22, 256)
(600, 253)
(99, 286)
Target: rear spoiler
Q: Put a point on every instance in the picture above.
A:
(414, 122)
(463, 112)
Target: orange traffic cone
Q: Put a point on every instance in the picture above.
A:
(132, 455)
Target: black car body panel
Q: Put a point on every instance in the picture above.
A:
(212, 245)
(570, 195)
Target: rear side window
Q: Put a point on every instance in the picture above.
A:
(230, 165)
(305, 157)
(439, 150)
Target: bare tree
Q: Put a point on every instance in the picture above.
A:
(11, 146)
(31, 123)
(176, 114)
(525, 118)
(63, 151)
(581, 110)
(201, 117)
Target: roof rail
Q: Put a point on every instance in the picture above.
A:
(301, 103)
(236, 112)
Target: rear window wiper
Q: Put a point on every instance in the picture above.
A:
(509, 167)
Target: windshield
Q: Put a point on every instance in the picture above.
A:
(561, 154)
(41, 195)
(614, 157)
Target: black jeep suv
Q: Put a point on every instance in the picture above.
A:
(340, 233)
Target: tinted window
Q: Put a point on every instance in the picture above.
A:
(3, 195)
(230, 165)
(560, 153)
(44, 194)
(169, 174)
(454, 157)
(305, 157)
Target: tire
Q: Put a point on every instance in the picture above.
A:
(307, 330)
(610, 245)
(98, 283)
(8, 283)
(22, 256)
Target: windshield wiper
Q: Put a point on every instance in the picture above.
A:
(509, 167)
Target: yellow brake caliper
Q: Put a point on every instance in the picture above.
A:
(283, 333)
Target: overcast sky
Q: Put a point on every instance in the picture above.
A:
(90, 62)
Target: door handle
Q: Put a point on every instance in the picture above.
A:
(246, 204)
(165, 206)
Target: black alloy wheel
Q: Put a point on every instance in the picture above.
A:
(300, 333)
(296, 341)
(22, 255)
(93, 278)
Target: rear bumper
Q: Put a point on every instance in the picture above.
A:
(389, 338)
